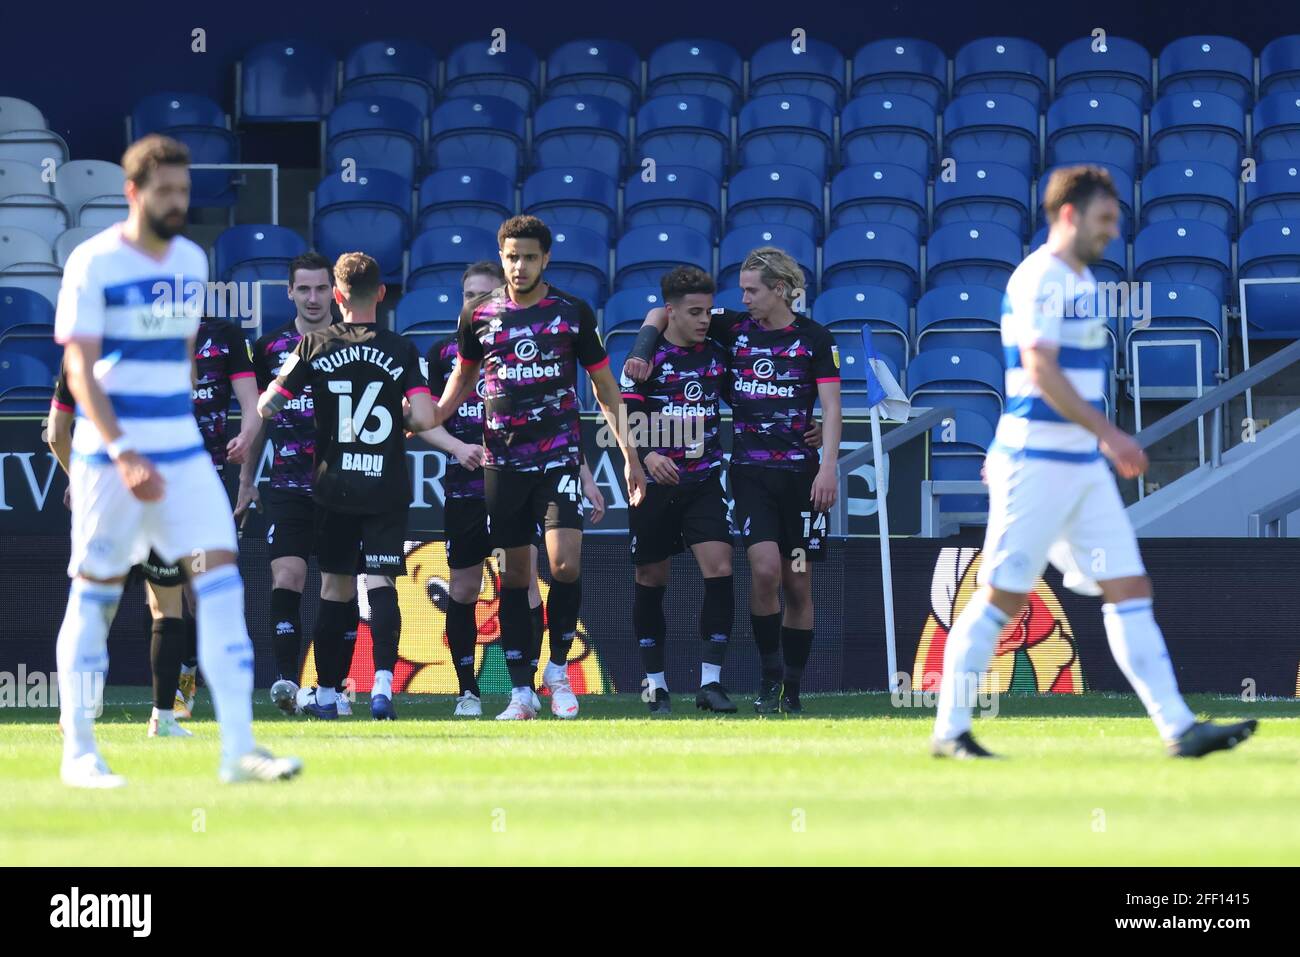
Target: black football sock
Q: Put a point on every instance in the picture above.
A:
(385, 626)
(562, 606)
(286, 626)
(767, 635)
(717, 615)
(191, 641)
(462, 636)
(166, 650)
(796, 643)
(538, 613)
(332, 620)
(516, 635)
(349, 647)
(649, 626)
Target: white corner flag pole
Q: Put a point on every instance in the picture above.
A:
(886, 571)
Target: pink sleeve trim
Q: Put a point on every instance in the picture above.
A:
(599, 365)
(60, 406)
(241, 375)
(829, 379)
(418, 388)
(282, 390)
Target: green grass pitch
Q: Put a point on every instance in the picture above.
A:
(1085, 781)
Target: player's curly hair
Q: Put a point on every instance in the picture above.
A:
(776, 266)
(1078, 186)
(357, 275)
(682, 281)
(148, 153)
(525, 227)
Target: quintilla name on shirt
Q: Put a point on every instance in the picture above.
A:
(337, 359)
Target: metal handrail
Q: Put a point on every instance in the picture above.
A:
(1270, 521)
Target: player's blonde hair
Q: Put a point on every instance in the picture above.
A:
(357, 275)
(775, 266)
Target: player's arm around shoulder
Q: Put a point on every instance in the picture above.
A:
(640, 360)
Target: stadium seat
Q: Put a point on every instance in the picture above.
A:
(816, 71)
(788, 129)
(1198, 126)
(91, 190)
(972, 254)
(644, 254)
(286, 82)
(1123, 185)
(376, 133)
(905, 65)
(677, 196)
(579, 263)
(585, 131)
(201, 125)
(738, 243)
(17, 115)
(778, 195)
(433, 309)
(35, 147)
(476, 70)
(960, 317)
(696, 67)
(483, 131)
(684, 130)
(439, 256)
(1277, 127)
(396, 69)
(992, 128)
(1113, 265)
(582, 197)
(879, 193)
(957, 449)
(1279, 66)
(1001, 65)
(854, 367)
(17, 178)
(27, 260)
(249, 253)
(1265, 251)
(1208, 65)
(890, 128)
(38, 347)
(70, 240)
(608, 68)
(629, 307)
(1116, 65)
(465, 196)
(964, 379)
(1087, 127)
(1178, 313)
(23, 312)
(868, 255)
(984, 193)
(1204, 192)
(732, 298)
(1274, 193)
(372, 212)
(26, 384)
(884, 310)
(38, 212)
(1175, 251)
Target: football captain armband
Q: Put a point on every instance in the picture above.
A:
(645, 344)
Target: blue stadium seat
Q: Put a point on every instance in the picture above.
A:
(957, 449)
(879, 193)
(1088, 127)
(465, 196)
(1113, 265)
(992, 128)
(960, 317)
(608, 68)
(483, 131)
(376, 133)
(398, 69)
(904, 65)
(286, 81)
(1177, 312)
(91, 191)
(1205, 192)
(738, 243)
(1123, 185)
(733, 298)
(1116, 65)
(439, 256)
(372, 212)
(585, 131)
(1279, 66)
(1204, 64)
(817, 71)
(884, 310)
(696, 67)
(1198, 126)
(23, 312)
(629, 306)
(475, 70)
(1184, 252)
(579, 196)
(1277, 126)
(579, 263)
(39, 348)
(1271, 250)
(677, 196)
(972, 254)
(888, 128)
(1001, 65)
(777, 195)
(984, 193)
(787, 128)
(26, 384)
(249, 253)
(964, 379)
(1274, 193)
(684, 130)
(202, 125)
(644, 254)
(852, 351)
(871, 255)
(434, 309)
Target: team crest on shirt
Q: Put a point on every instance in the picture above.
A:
(835, 355)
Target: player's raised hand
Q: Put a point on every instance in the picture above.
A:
(470, 456)
(662, 469)
(638, 370)
(1122, 449)
(248, 497)
(814, 435)
(635, 479)
(140, 476)
(591, 492)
